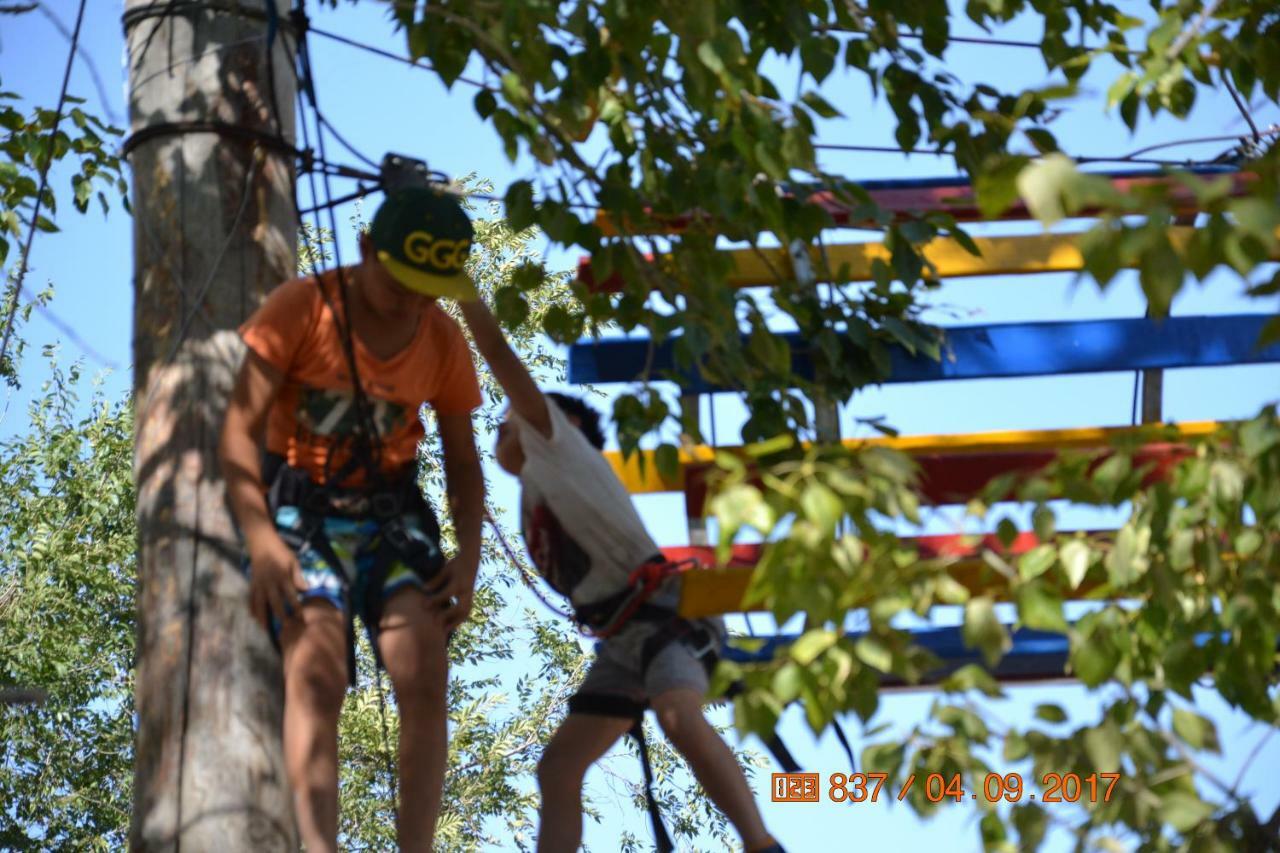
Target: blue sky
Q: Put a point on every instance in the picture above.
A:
(381, 106)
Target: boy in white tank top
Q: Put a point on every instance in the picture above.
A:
(586, 539)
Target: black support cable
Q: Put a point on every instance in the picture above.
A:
(395, 57)
(1131, 157)
(43, 184)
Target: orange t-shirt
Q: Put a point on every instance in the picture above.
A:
(314, 415)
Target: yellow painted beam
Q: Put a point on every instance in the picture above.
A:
(640, 473)
(1035, 253)
(1007, 255)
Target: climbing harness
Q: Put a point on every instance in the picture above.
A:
(606, 618)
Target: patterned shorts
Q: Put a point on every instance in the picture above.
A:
(337, 567)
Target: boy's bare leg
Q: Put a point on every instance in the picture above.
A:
(576, 745)
(314, 645)
(680, 714)
(411, 640)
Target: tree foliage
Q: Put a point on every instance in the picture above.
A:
(67, 586)
(644, 112)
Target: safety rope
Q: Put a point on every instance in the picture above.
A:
(525, 575)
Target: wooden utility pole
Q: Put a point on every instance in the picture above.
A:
(214, 230)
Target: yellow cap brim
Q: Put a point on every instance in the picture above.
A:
(458, 286)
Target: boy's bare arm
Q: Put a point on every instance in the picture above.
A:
(464, 482)
(275, 575)
(240, 445)
(512, 375)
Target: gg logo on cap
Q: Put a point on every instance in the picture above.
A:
(423, 248)
(423, 237)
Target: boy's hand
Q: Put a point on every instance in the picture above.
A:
(275, 579)
(453, 591)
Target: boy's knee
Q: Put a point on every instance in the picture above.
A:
(420, 697)
(559, 768)
(419, 680)
(680, 717)
(320, 689)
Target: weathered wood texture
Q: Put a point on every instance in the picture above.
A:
(215, 229)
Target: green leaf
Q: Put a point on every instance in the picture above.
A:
(971, 677)
(562, 325)
(1128, 558)
(1196, 731)
(1016, 747)
(874, 653)
(884, 758)
(1032, 822)
(1094, 661)
(1037, 561)
(707, 54)
(519, 205)
(821, 506)
(510, 307)
(1006, 532)
(983, 631)
(1044, 522)
(1183, 810)
(819, 105)
(1042, 139)
(515, 91)
(485, 103)
(1257, 217)
(667, 459)
(1050, 713)
(1040, 608)
(1042, 185)
(813, 643)
(1248, 542)
(738, 505)
(1075, 556)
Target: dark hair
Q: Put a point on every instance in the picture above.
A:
(588, 418)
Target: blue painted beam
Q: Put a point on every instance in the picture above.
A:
(1034, 656)
(987, 352)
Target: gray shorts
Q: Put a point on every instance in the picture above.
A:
(616, 669)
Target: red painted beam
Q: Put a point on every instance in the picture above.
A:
(955, 545)
(947, 478)
(952, 197)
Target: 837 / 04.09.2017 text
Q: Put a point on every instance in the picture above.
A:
(939, 788)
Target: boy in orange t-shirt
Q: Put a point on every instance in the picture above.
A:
(335, 523)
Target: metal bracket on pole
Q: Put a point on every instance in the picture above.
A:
(400, 171)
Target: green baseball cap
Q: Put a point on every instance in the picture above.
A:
(423, 237)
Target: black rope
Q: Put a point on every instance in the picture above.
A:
(197, 303)
(1242, 106)
(360, 193)
(42, 186)
(386, 54)
(366, 435)
(351, 149)
(524, 576)
(1131, 157)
